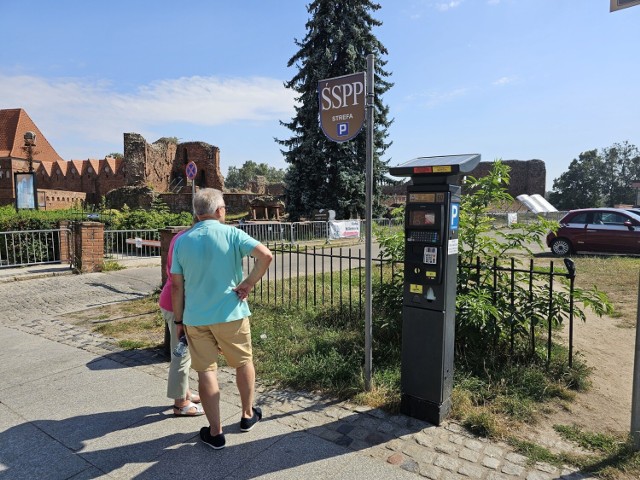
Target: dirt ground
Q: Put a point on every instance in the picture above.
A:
(607, 346)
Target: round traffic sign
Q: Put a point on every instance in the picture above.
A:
(191, 170)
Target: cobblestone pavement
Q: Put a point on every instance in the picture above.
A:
(38, 305)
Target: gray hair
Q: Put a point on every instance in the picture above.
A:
(207, 201)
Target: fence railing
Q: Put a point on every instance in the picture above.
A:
(334, 278)
(525, 217)
(127, 244)
(505, 281)
(296, 232)
(33, 247)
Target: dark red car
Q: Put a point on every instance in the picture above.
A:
(597, 230)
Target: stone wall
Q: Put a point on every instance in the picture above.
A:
(177, 202)
(238, 202)
(148, 164)
(59, 199)
(207, 159)
(133, 196)
(527, 176)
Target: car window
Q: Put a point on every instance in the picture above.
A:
(609, 218)
(579, 218)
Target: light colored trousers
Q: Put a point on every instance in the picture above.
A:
(178, 382)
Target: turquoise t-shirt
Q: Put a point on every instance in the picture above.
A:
(209, 256)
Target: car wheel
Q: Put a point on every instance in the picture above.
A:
(561, 247)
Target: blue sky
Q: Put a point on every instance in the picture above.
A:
(510, 79)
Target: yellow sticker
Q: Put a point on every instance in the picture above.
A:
(415, 288)
(430, 274)
(422, 197)
(442, 169)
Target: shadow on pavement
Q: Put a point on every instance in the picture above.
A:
(129, 358)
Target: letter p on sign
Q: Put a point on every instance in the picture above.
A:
(455, 216)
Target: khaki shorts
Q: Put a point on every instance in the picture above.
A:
(233, 338)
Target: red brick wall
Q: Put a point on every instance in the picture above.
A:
(61, 199)
(65, 245)
(207, 159)
(155, 165)
(6, 183)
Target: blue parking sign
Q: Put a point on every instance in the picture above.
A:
(455, 216)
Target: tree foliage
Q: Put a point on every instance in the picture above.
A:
(598, 178)
(323, 173)
(238, 178)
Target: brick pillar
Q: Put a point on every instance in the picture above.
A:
(64, 245)
(166, 235)
(89, 243)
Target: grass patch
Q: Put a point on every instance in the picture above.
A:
(536, 453)
(614, 275)
(613, 456)
(132, 344)
(111, 266)
(599, 442)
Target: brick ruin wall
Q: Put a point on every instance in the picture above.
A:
(59, 199)
(527, 176)
(92, 177)
(159, 165)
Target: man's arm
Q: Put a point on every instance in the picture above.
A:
(263, 258)
(177, 300)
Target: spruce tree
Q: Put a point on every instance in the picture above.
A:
(323, 173)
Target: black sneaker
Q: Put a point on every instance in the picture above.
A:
(216, 442)
(247, 424)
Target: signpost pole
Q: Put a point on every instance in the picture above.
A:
(191, 170)
(368, 332)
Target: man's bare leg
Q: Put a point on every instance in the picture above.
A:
(210, 397)
(246, 381)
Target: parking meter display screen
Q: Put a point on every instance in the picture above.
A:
(422, 217)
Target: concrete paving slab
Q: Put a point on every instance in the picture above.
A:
(196, 460)
(28, 452)
(299, 455)
(91, 473)
(23, 355)
(147, 441)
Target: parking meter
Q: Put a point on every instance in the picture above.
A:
(429, 299)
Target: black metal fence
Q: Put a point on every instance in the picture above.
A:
(540, 285)
(334, 278)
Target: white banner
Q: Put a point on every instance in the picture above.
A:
(344, 229)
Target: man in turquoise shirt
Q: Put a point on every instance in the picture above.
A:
(210, 296)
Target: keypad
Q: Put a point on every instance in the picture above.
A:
(424, 236)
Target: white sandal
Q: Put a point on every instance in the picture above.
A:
(186, 411)
(191, 396)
